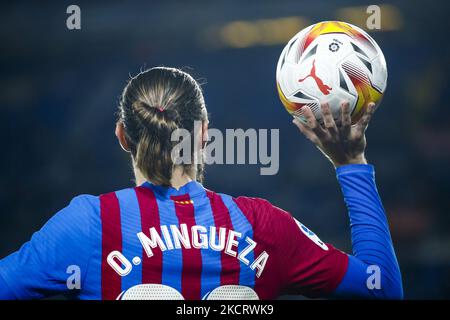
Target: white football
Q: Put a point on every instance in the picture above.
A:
(331, 62)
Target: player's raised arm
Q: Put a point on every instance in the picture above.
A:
(373, 270)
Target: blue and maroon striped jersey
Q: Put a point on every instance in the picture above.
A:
(191, 239)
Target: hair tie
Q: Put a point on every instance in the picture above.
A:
(160, 109)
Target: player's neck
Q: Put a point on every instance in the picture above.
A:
(179, 178)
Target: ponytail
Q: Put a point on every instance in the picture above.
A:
(153, 150)
(154, 104)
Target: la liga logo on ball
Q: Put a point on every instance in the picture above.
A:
(333, 47)
(331, 62)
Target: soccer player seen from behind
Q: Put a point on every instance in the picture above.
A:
(170, 238)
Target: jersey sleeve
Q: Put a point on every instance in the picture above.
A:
(43, 265)
(305, 264)
(373, 270)
(313, 268)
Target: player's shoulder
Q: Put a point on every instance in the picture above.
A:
(80, 208)
(85, 200)
(260, 206)
(92, 203)
(261, 213)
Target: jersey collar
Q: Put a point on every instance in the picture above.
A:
(192, 188)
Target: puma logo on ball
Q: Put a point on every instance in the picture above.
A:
(322, 87)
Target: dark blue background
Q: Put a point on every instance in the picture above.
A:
(59, 91)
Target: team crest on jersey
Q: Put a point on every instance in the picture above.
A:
(311, 235)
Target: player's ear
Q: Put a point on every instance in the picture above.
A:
(205, 136)
(120, 134)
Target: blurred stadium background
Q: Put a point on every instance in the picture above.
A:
(59, 91)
